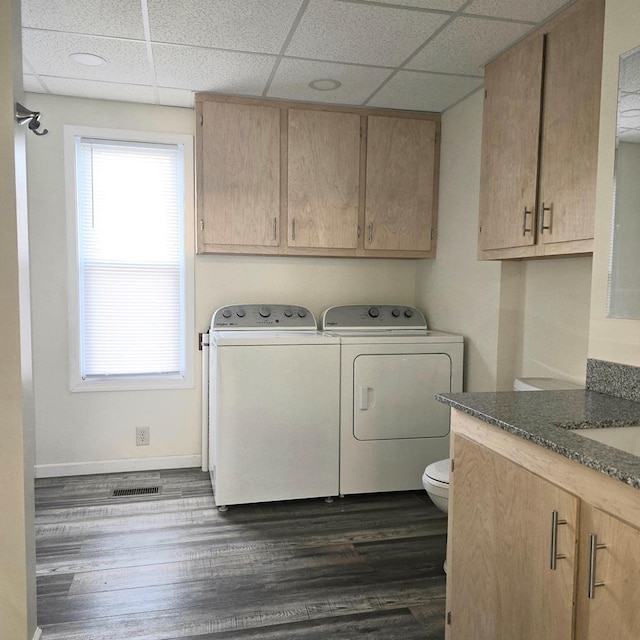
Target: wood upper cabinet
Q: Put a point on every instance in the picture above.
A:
(293, 179)
(400, 184)
(540, 139)
(500, 581)
(616, 569)
(510, 135)
(323, 179)
(238, 178)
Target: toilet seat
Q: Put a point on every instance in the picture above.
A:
(438, 473)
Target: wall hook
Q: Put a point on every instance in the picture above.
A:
(32, 118)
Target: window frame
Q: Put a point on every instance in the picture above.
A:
(186, 380)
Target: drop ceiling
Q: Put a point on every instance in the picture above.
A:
(402, 54)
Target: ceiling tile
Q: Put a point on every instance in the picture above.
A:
(292, 79)
(176, 97)
(122, 18)
(529, 10)
(466, 44)
(199, 69)
(48, 53)
(361, 33)
(100, 90)
(423, 91)
(441, 5)
(250, 25)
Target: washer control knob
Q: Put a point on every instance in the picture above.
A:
(226, 313)
(408, 313)
(240, 313)
(302, 313)
(288, 313)
(265, 312)
(395, 313)
(374, 312)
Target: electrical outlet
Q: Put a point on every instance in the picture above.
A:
(142, 436)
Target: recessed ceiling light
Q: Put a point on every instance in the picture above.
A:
(88, 59)
(324, 84)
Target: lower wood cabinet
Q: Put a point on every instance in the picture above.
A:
(608, 578)
(540, 547)
(501, 581)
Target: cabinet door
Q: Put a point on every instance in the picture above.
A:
(571, 109)
(613, 612)
(510, 140)
(500, 582)
(399, 184)
(239, 188)
(324, 168)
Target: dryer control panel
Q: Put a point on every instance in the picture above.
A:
(358, 317)
(254, 317)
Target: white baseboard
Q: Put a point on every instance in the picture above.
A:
(37, 634)
(116, 466)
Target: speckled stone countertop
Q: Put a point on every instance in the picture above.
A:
(551, 419)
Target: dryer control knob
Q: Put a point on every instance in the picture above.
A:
(288, 313)
(395, 312)
(226, 313)
(265, 312)
(302, 313)
(374, 312)
(240, 313)
(408, 313)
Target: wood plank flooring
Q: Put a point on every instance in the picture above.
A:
(170, 565)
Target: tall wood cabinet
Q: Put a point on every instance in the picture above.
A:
(539, 546)
(298, 179)
(540, 139)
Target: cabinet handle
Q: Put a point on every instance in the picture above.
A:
(593, 547)
(358, 231)
(554, 555)
(544, 227)
(293, 229)
(527, 212)
(275, 228)
(370, 232)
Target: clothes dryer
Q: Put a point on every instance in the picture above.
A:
(273, 405)
(391, 365)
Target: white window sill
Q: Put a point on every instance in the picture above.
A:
(123, 383)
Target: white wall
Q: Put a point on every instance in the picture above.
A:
(528, 318)
(611, 339)
(458, 293)
(86, 432)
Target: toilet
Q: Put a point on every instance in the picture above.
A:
(435, 478)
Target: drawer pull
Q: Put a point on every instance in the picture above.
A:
(554, 555)
(525, 229)
(593, 547)
(544, 227)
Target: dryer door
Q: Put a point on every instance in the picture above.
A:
(393, 396)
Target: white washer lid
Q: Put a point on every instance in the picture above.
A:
(439, 471)
(543, 384)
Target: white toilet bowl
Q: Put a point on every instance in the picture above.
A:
(435, 481)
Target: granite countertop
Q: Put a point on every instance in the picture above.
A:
(551, 419)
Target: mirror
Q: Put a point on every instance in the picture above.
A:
(624, 264)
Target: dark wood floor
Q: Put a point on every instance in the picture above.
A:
(171, 566)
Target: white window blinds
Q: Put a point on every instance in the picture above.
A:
(130, 205)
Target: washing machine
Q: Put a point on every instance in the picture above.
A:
(391, 365)
(273, 405)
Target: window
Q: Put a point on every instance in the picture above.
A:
(131, 290)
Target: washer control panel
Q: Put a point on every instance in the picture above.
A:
(370, 317)
(254, 317)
